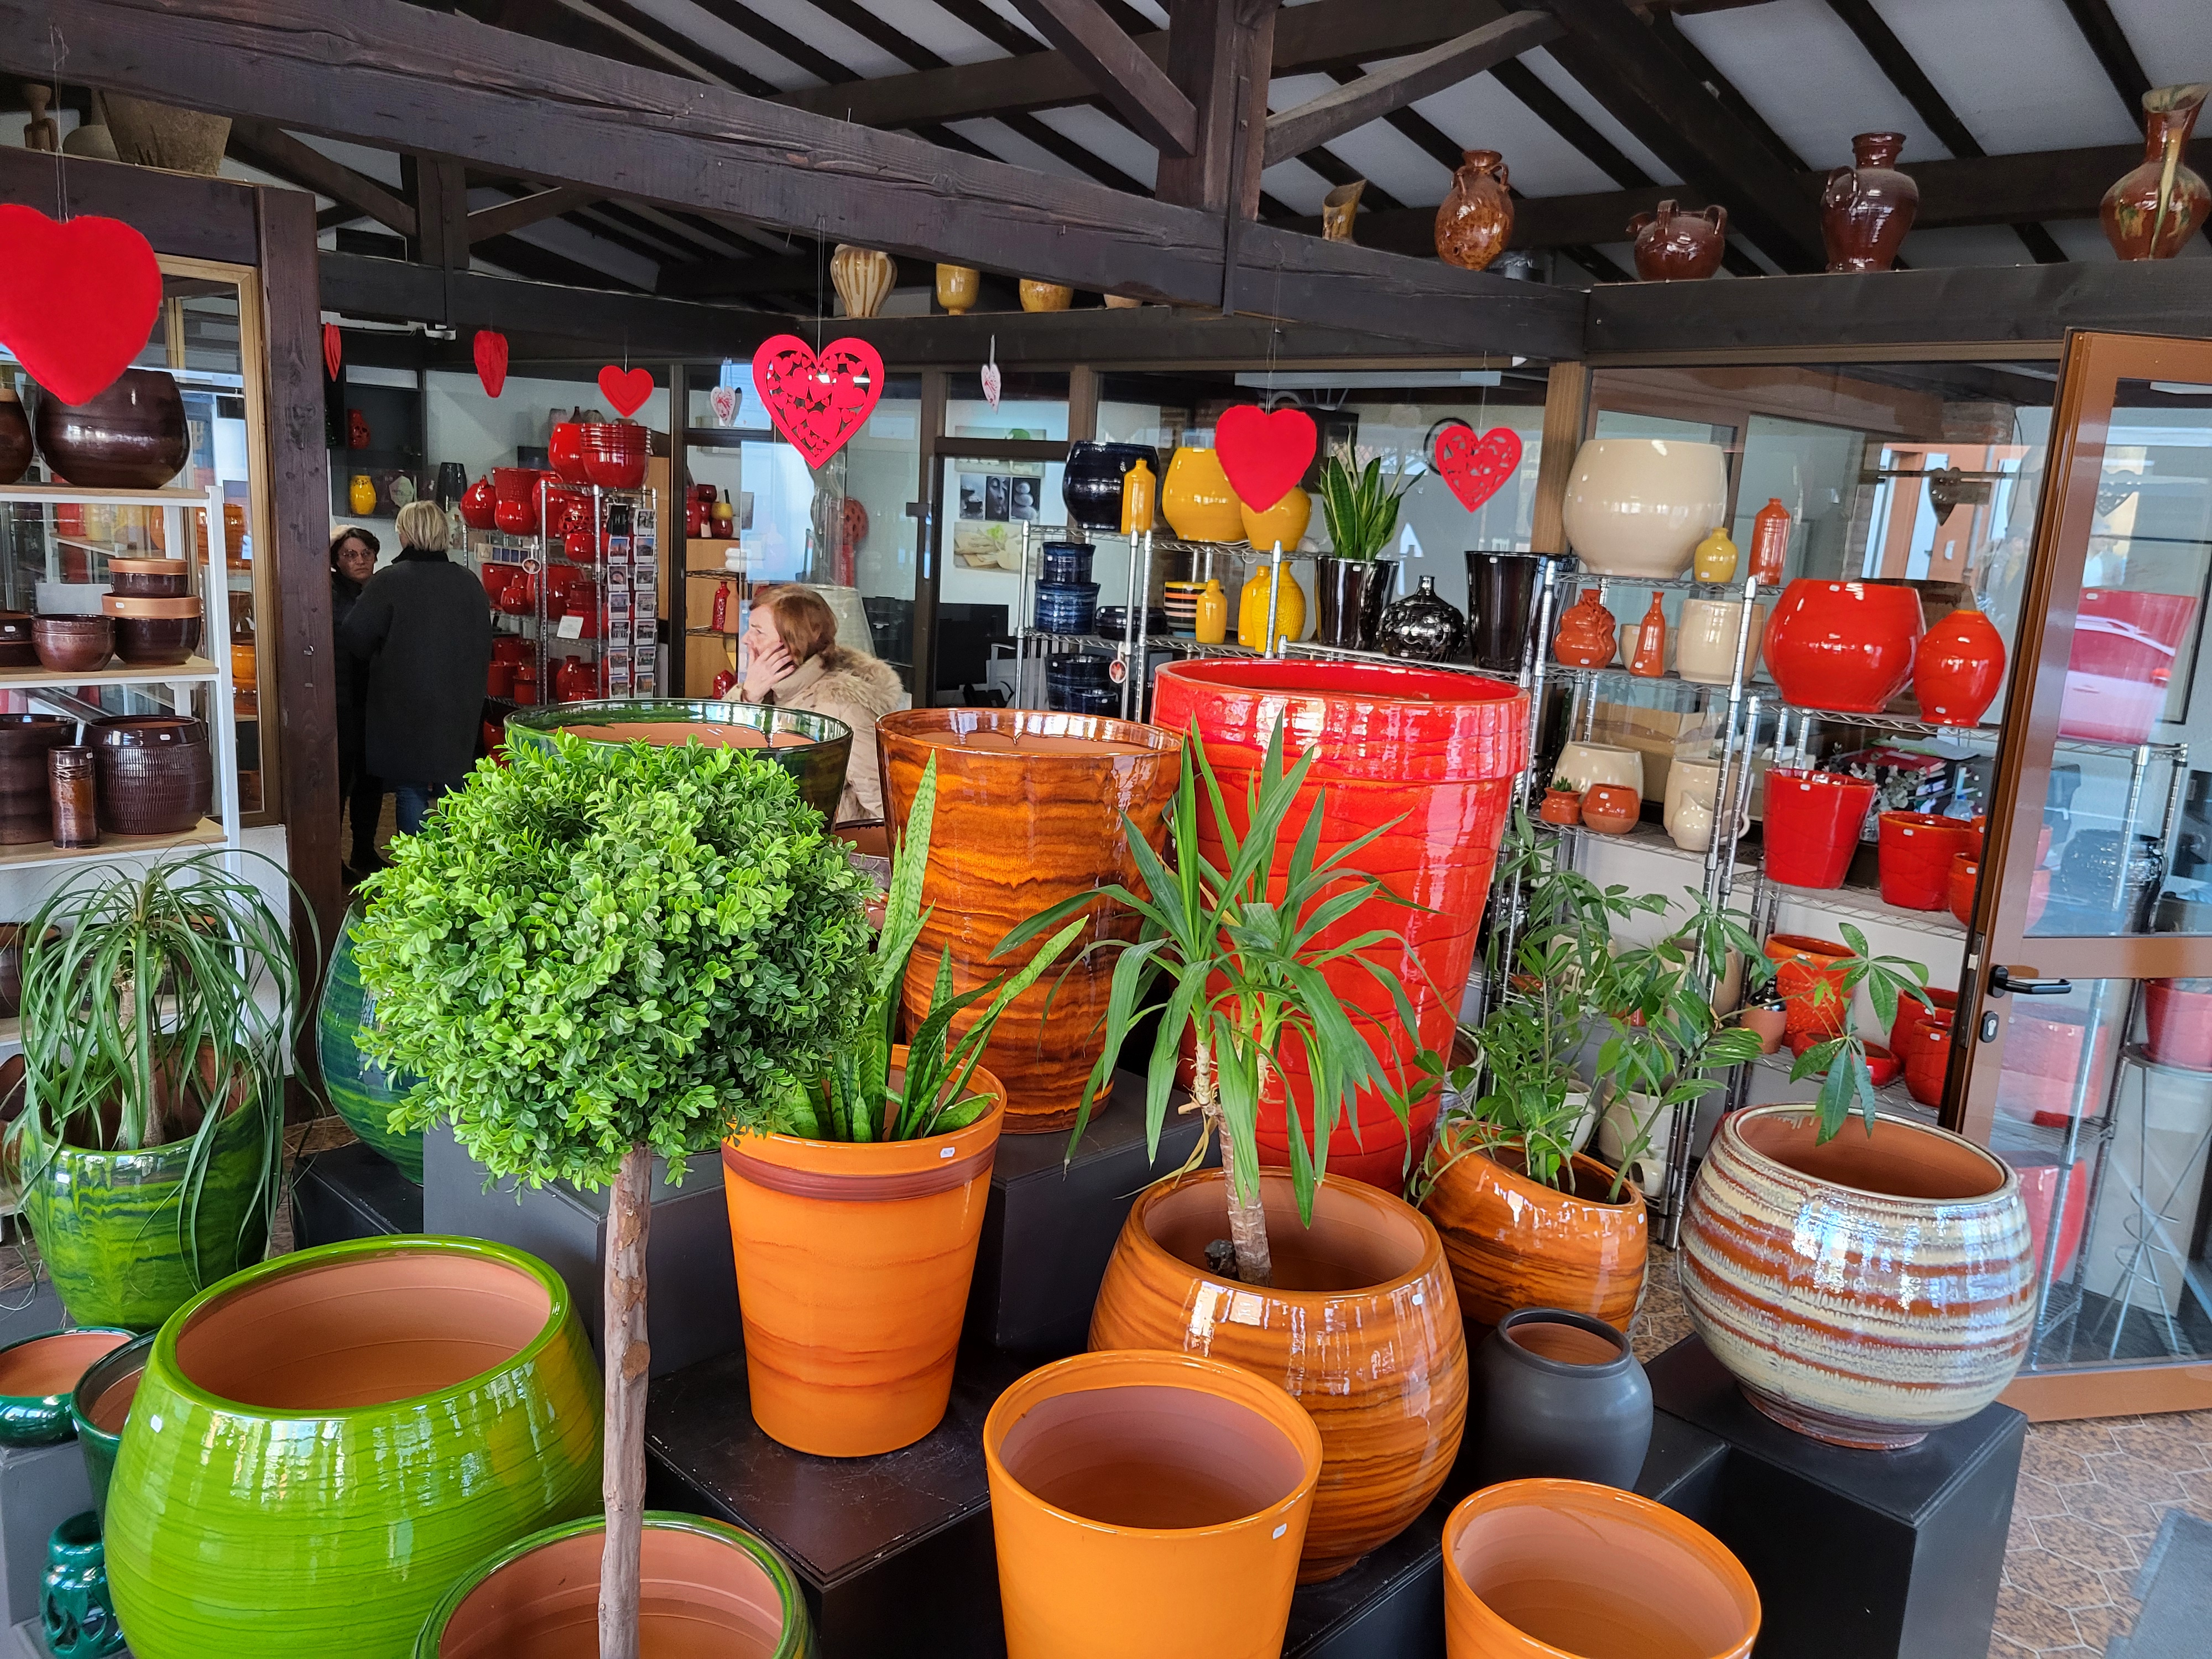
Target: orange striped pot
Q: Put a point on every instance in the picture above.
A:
(1865, 1291)
(1019, 827)
(854, 1260)
(1513, 1243)
(1361, 1327)
(1547, 1569)
(1148, 1504)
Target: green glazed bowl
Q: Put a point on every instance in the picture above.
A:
(324, 1444)
(701, 1579)
(99, 1406)
(818, 764)
(37, 1376)
(364, 1092)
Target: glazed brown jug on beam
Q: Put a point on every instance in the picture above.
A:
(1869, 208)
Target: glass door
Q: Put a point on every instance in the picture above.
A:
(2083, 1045)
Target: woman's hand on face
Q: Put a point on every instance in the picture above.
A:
(770, 666)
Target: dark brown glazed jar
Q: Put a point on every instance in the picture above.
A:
(1867, 209)
(26, 814)
(156, 775)
(73, 785)
(131, 436)
(1675, 246)
(148, 579)
(2146, 215)
(1477, 217)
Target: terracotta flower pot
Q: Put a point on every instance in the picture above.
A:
(1865, 1291)
(100, 1407)
(704, 1588)
(1148, 1504)
(858, 1361)
(27, 811)
(38, 1375)
(1378, 1356)
(1557, 1395)
(2178, 1021)
(155, 775)
(1637, 506)
(1813, 824)
(1514, 1243)
(131, 436)
(1610, 809)
(1965, 871)
(1769, 1022)
(1029, 808)
(1547, 1569)
(324, 1444)
(1911, 1013)
(1845, 646)
(1915, 851)
(1958, 669)
(1800, 965)
(1437, 752)
(1560, 806)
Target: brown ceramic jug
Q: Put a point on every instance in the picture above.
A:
(1587, 636)
(2151, 212)
(1477, 217)
(1867, 209)
(1675, 246)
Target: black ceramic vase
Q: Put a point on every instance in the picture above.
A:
(1557, 1395)
(1091, 485)
(1351, 593)
(1502, 592)
(1424, 626)
(452, 483)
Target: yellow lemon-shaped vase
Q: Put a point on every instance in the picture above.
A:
(1196, 498)
(1252, 609)
(1714, 559)
(1284, 523)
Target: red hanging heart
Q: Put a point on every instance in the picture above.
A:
(1264, 455)
(626, 389)
(491, 360)
(333, 350)
(1477, 468)
(78, 300)
(817, 402)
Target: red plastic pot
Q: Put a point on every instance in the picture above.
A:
(478, 503)
(564, 447)
(1958, 669)
(2179, 1024)
(2038, 1189)
(1436, 752)
(1959, 887)
(1845, 646)
(1813, 824)
(1915, 853)
(1928, 1057)
(2120, 661)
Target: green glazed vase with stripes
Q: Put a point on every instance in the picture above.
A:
(362, 1092)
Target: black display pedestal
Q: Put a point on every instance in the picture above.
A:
(352, 1192)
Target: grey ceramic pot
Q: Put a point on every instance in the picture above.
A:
(1560, 1395)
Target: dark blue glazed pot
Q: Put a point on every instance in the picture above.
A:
(1090, 484)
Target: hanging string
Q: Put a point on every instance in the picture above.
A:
(57, 48)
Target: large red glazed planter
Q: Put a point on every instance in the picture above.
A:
(1846, 645)
(1436, 751)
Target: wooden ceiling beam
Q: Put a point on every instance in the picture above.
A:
(512, 215)
(1132, 83)
(269, 147)
(2116, 55)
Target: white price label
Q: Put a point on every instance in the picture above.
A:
(571, 628)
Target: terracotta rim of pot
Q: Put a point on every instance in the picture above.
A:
(147, 566)
(27, 1365)
(1804, 947)
(149, 608)
(1395, 1230)
(1515, 1327)
(1408, 683)
(921, 724)
(540, 724)
(1265, 1407)
(705, 1543)
(1778, 1142)
(274, 1308)
(874, 1171)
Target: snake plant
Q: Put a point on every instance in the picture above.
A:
(1360, 507)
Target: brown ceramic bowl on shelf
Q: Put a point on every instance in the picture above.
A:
(26, 807)
(154, 632)
(156, 776)
(73, 645)
(148, 579)
(17, 649)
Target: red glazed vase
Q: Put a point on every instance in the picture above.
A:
(2178, 1021)
(1800, 964)
(1915, 851)
(1928, 1058)
(1958, 668)
(1845, 646)
(479, 501)
(1959, 888)
(1434, 755)
(1588, 635)
(1813, 825)
(1612, 809)
(564, 447)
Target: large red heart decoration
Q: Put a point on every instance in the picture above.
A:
(78, 300)
(1264, 455)
(817, 402)
(491, 360)
(626, 389)
(1477, 468)
(333, 350)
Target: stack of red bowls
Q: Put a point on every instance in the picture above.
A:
(614, 453)
(516, 491)
(1915, 851)
(565, 449)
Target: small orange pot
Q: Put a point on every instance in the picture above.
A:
(1965, 870)
(1540, 1569)
(1800, 964)
(1148, 1502)
(853, 1260)
(1514, 1243)
(1610, 809)
(1560, 806)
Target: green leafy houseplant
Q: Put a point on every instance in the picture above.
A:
(1241, 972)
(599, 953)
(1360, 507)
(1840, 1062)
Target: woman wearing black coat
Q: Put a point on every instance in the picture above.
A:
(352, 562)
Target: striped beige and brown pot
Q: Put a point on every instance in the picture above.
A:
(1864, 1291)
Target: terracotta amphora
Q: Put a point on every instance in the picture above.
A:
(2155, 208)
(1868, 208)
(1675, 246)
(1477, 216)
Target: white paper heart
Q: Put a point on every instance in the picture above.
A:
(723, 399)
(994, 383)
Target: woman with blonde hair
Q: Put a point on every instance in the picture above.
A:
(793, 661)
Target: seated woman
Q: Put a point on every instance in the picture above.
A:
(793, 661)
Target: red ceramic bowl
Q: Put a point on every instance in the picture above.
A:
(478, 503)
(1845, 646)
(1812, 825)
(564, 447)
(2177, 1022)
(614, 469)
(1915, 851)
(1965, 870)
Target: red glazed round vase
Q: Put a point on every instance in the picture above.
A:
(1812, 825)
(564, 447)
(1958, 668)
(1845, 646)
(477, 504)
(1965, 869)
(1612, 809)
(1800, 965)
(1915, 851)
(516, 517)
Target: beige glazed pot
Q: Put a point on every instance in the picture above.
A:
(1584, 765)
(1704, 639)
(1637, 506)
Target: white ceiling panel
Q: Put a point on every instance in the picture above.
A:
(1106, 138)
(1008, 145)
(1547, 70)
(2019, 75)
(827, 35)
(1378, 152)
(1480, 114)
(930, 25)
(1807, 75)
(719, 38)
(1295, 185)
(2174, 38)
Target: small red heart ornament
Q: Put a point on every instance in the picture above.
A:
(1264, 455)
(626, 389)
(333, 350)
(490, 348)
(77, 299)
(817, 401)
(1477, 468)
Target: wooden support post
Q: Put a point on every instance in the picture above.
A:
(1566, 401)
(628, 1360)
(438, 188)
(1219, 53)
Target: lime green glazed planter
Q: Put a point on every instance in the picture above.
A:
(361, 1090)
(705, 1588)
(816, 761)
(321, 1446)
(111, 1225)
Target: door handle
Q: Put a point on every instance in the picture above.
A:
(2001, 980)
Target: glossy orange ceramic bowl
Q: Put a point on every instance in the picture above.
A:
(1514, 1243)
(1802, 965)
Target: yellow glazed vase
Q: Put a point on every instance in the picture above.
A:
(360, 495)
(1197, 500)
(957, 286)
(1212, 618)
(1714, 559)
(1284, 522)
(1252, 609)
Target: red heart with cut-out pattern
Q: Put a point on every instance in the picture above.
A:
(490, 350)
(1264, 455)
(817, 401)
(626, 389)
(1477, 468)
(77, 299)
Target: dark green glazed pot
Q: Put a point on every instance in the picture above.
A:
(710, 1588)
(99, 1406)
(817, 762)
(37, 1376)
(322, 1445)
(364, 1092)
(76, 1615)
(111, 1226)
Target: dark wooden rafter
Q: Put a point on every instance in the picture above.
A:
(268, 147)
(2115, 55)
(1218, 52)
(513, 213)
(1132, 83)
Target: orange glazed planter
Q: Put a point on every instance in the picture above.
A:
(1147, 1504)
(1361, 1327)
(1514, 1243)
(1540, 1569)
(853, 1260)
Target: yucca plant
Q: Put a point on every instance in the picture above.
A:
(1360, 507)
(1239, 968)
